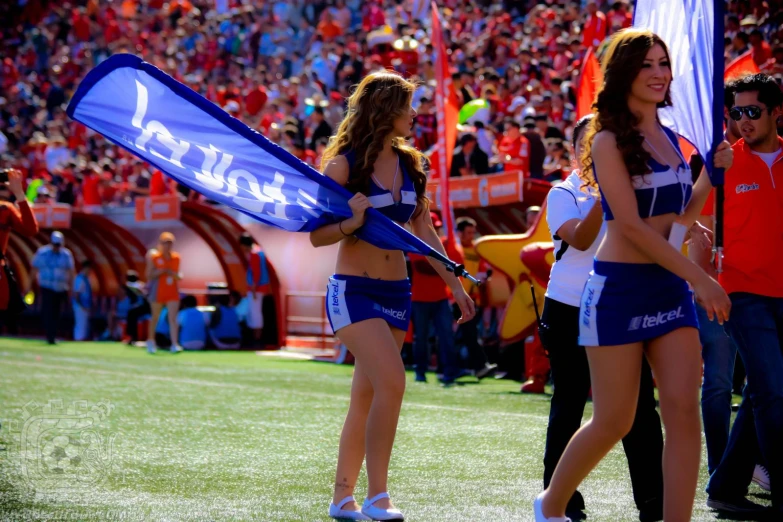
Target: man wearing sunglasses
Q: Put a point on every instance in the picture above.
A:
(753, 279)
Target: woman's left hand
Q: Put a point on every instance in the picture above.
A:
(466, 305)
(724, 156)
(700, 236)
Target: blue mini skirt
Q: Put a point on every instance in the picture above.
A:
(625, 303)
(351, 299)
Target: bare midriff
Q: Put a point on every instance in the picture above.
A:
(359, 258)
(617, 248)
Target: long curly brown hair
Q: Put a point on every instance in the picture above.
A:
(377, 102)
(621, 64)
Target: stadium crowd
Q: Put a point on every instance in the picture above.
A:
(284, 68)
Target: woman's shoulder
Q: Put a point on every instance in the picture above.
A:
(338, 168)
(604, 138)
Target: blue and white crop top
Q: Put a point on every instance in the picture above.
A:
(383, 199)
(663, 191)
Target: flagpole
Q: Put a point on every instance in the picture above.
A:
(717, 127)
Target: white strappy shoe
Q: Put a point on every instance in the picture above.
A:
(343, 514)
(376, 513)
(540, 514)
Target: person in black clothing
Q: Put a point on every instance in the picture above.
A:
(322, 129)
(537, 149)
(139, 306)
(469, 159)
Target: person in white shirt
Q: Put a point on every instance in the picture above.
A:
(575, 220)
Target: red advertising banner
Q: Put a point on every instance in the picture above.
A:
(57, 215)
(480, 191)
(157, 208)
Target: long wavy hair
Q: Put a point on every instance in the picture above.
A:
(373, 107)
(621, 65)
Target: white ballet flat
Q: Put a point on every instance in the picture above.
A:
(376, 513)
(540, 514)
(343, 514)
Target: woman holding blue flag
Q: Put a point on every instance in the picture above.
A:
(368, 299)
(637, 301)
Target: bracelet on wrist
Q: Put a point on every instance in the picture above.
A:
(340, 226)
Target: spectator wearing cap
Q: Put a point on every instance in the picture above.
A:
(81, 302)
(163, 276)
(431, 313)
(469, 159)
(54, 270)
(514, 149)
(257, 283)
(319, 128)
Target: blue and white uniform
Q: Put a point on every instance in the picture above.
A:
(625, 303)
(351, 299)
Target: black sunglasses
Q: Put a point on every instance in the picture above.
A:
(753, 112)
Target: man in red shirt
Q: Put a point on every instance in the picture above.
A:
(752, 277)
(431, 311)
(514, 149)
(18, 218)
(595, 27)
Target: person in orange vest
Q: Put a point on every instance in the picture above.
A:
(163, 277)
(257, 282)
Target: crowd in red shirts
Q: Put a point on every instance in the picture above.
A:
(285, 68)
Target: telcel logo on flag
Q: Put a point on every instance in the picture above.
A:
(188, 138)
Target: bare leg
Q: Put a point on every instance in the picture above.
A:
(676, 362)
(615, 372)
(376, 397)
(173, 310)
(156, 309)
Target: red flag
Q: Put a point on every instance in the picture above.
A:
(448, 114)
(590, 79)
(740, 66)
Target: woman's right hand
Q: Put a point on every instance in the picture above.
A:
(359, 204)
(713, 298)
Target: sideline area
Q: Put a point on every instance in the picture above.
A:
(234, 436)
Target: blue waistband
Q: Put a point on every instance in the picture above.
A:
(639, 271)
(375, 285)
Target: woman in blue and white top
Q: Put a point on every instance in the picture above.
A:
(369, 297)
(637, 302)
(575, 219)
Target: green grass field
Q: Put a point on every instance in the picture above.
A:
(106, 432)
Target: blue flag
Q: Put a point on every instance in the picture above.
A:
(139, 107)
(690, 28)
